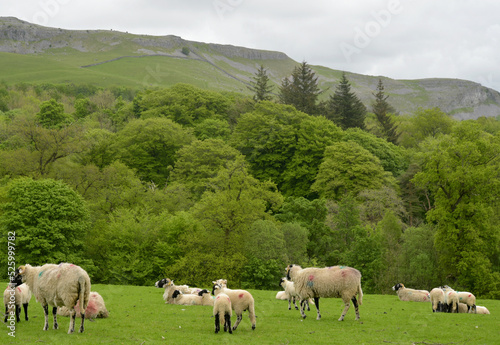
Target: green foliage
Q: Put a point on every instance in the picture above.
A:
(423, 124)
(301, 90)
(49, 219)
(260, 86)
(262, 274)
(52, 114)
(212, 129)
(381, 108)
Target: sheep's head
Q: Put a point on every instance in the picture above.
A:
(282, 280)
(221, 282)
(217, 287)
(204, 291)
(176, 293)
(163, 283)
(287, 270)
(20, 275)
(398, 286)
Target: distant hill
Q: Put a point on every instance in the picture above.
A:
(37, 54)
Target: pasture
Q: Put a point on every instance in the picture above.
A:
(138, 315)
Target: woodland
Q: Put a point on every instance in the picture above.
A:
(197, 185)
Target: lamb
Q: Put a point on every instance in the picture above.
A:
(335, 281)
(170, 287)
(406, 294)
(57, 286)
(291, 293)
(13, 297)
(437, 300)
(450, 299)
(282, 295)
(95, 309)
(201, 298)
(482, 310)
(241, 300)
(469, 299)
(222, 306)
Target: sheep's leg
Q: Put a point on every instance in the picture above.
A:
(227, 323)
(83, 320)
(355, 302)
(25, 306)
(217, 323)
(46, 314)
(302, 307)
(6, 313)
(54, 314)
(290, 302)
(347, 305)
(294, 303)
(316, 303)
(238, 320)
(72, 317)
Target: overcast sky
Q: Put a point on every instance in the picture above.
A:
(400, 39)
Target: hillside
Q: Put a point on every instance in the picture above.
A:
(37, 54)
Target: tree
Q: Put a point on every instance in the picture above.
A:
(51, 114)
(260, 86)
(381, 108)
(344, 108)
(301, 90)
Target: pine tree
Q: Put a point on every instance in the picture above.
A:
(344, 108)
(301, 90)
(381, 108)
(260, 86)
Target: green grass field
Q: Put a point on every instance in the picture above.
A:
(138, 315)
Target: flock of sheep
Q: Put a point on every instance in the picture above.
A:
(443, 299)
(66, 288)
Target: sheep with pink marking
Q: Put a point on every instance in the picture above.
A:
(437, 300)
(334, 281)
(96, 308)
(241, 300)
(16, 294)
(223, 308)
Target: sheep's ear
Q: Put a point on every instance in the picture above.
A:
(21, 269)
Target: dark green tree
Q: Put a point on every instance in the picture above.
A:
(382, 109)
(344, 108)
(301, 90)
(51, 114)
(260, 86)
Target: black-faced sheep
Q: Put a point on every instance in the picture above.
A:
(335, 281)
(241, 300)
(406, 294)
(292, 294)
(450, 299)
(201, 298)
(437, 300)
(170, 287)
(222, 307)
(58, 286)
(95, 309)
(14, 297)
(469, 299)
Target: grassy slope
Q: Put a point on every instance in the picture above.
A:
(138, 315)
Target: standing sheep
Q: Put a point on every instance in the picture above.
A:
(222, 306)
(469, 299)
(437, 299)
(406, 294)
(335, 281)
(95, 309)
(241, 300)
(57, 286)
(291, 293)
(16, 294)
(450, 299)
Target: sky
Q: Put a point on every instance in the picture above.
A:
(399, 39)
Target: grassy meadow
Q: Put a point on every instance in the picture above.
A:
(138, 315)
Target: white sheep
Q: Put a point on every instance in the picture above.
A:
(335, 281)
(469, 299)
(241, 300)
(437, 299)
(406, 294)
(57, 286)
(170, 287)
(481, 310)
(201, 298)
(292, 294)
(15, 296)
(450, 299)
(464, 308)
(281, 295)
(95, 308)
(222, 306)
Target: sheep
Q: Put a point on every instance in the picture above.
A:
(222, 306)
(406, 294)
(170, 287)
(201, 298)
(462, 308)
(241, 300)
(292, 294)
(57, 286)
(469, 299)
(335, 281)
(282, 295)
(437, 299)
(16, 294)
(482, 310)
(95, 308)
(450, 299)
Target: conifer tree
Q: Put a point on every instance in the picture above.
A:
(381, 108)
(301, 90)
(260, 86)
(344, 108)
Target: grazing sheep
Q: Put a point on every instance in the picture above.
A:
(469, 299)
(201, 298)
(450, 299)
(58, 286)
(481, 310)
(241, 300)
(170, 287)
(335, 281)
(437, 299)
(222, 306)
(406, 294)
(292, 294)
(95, 309)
